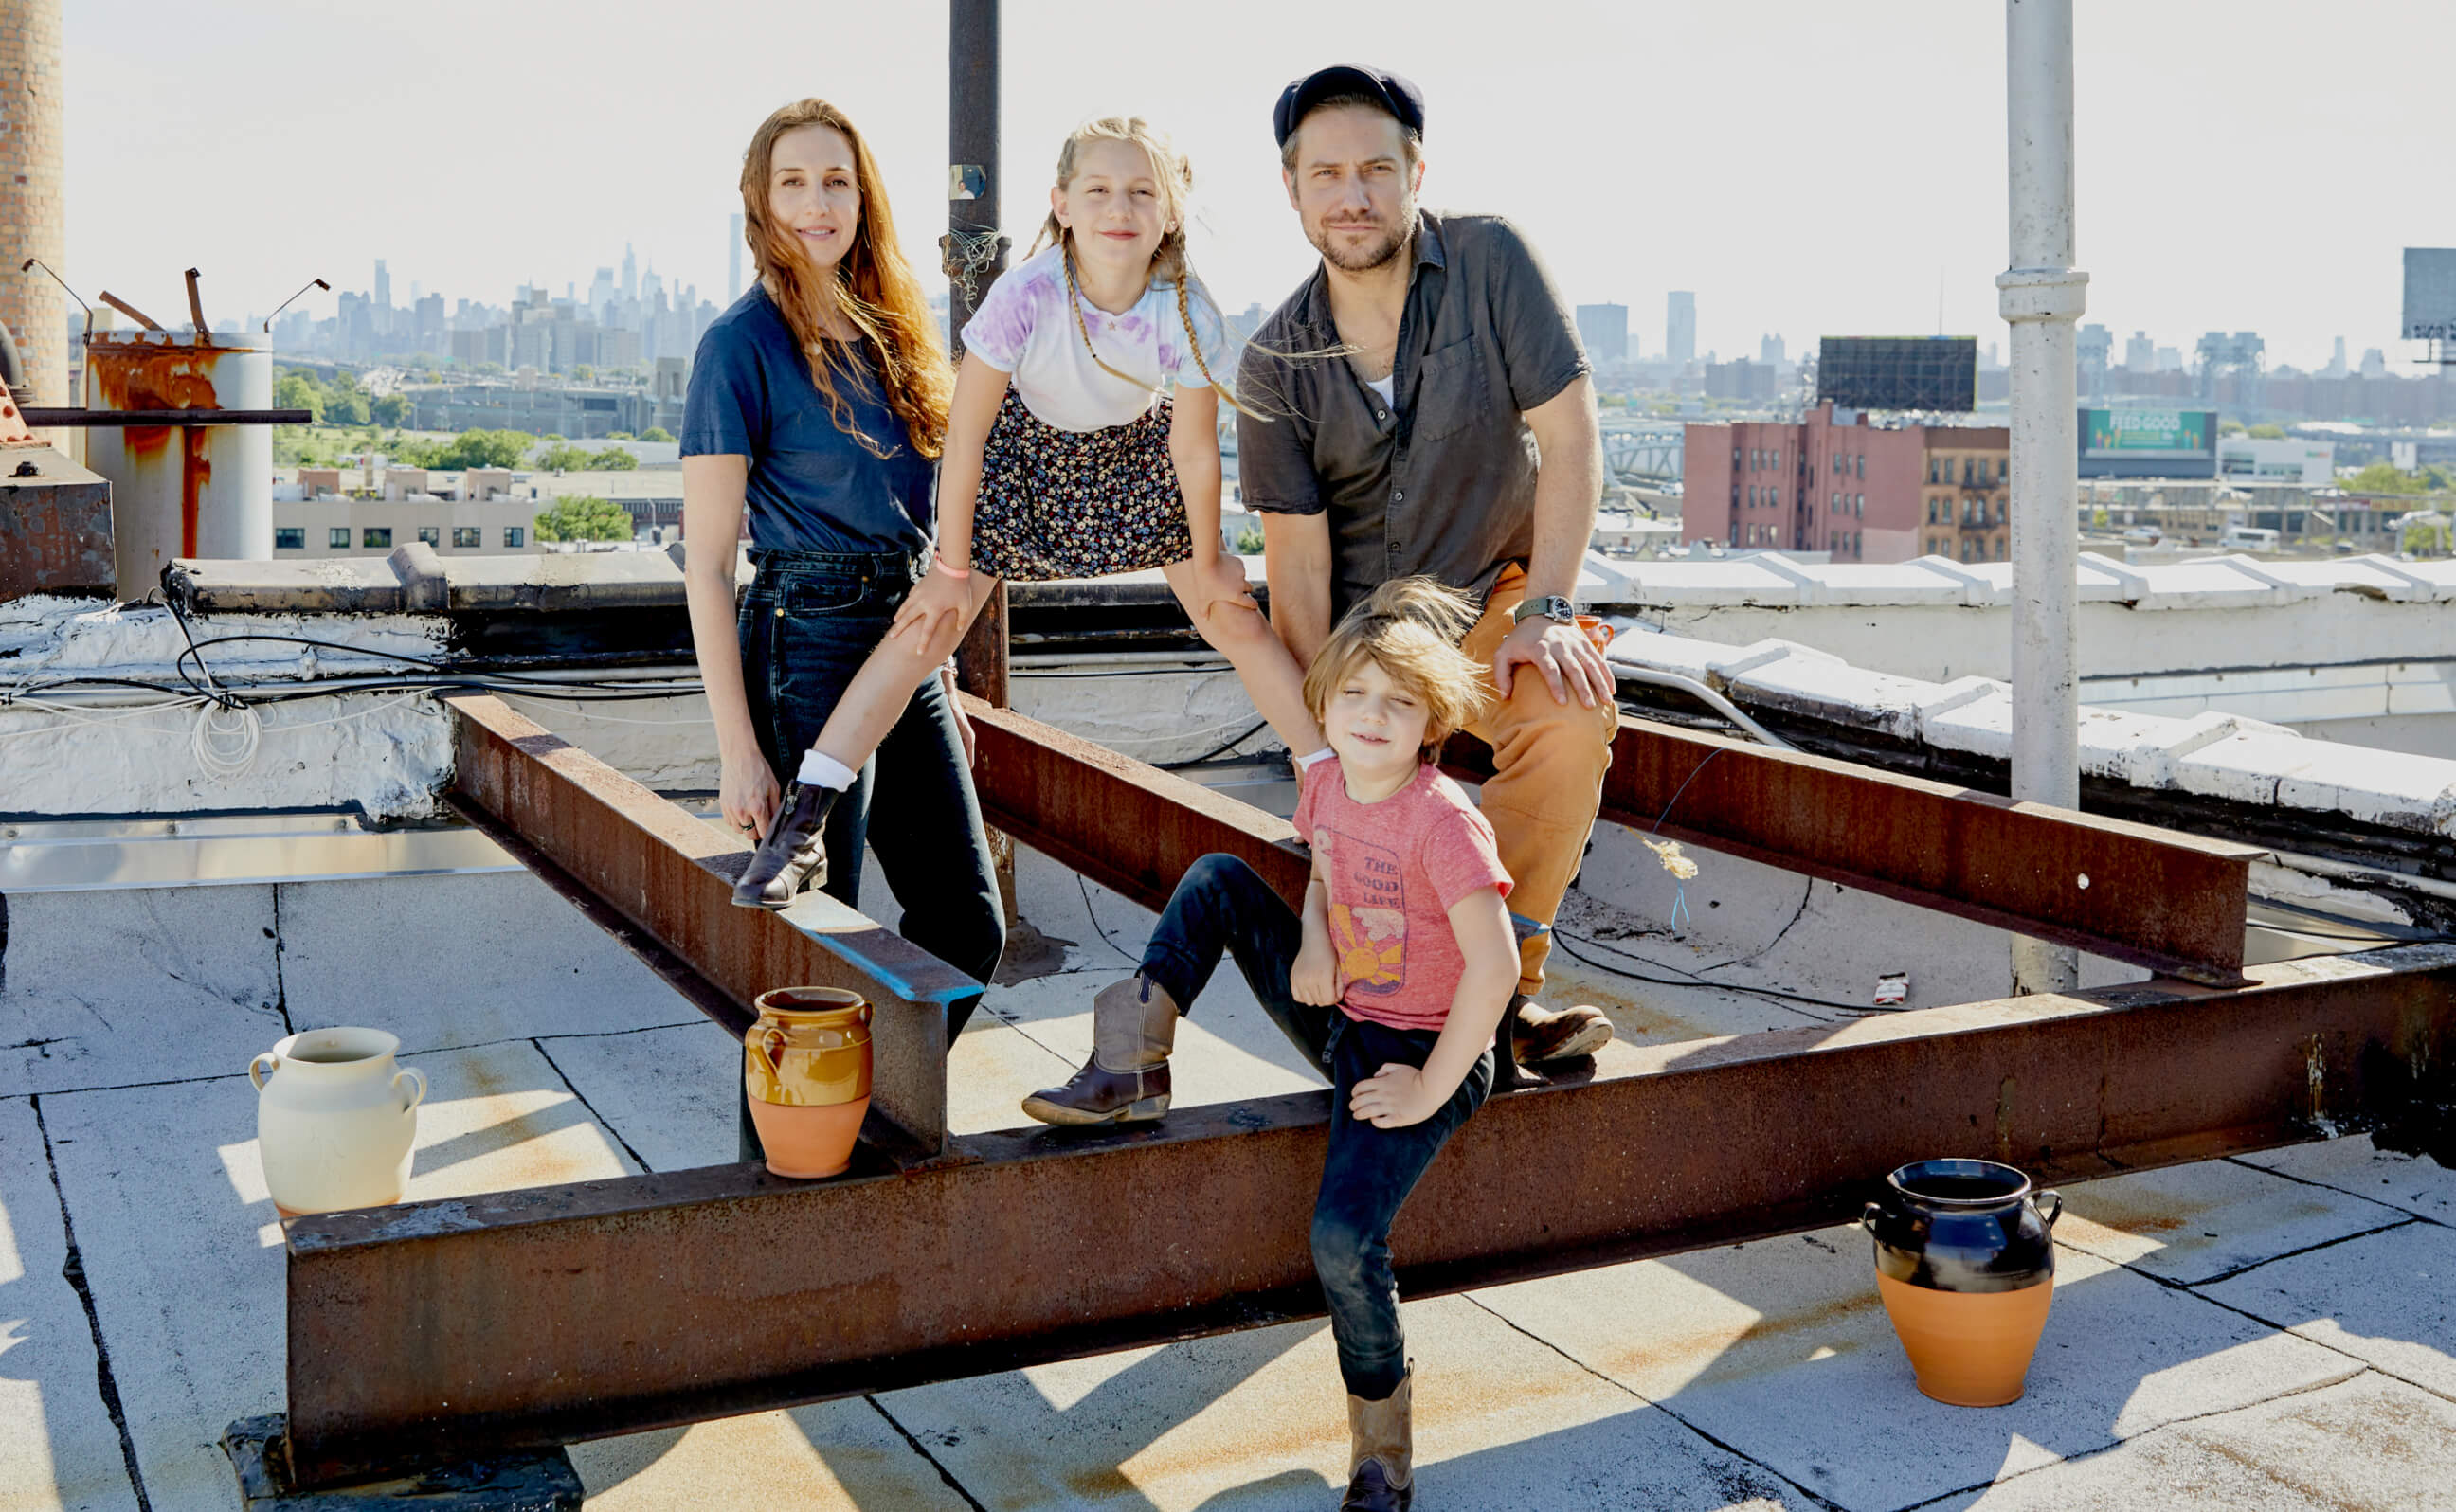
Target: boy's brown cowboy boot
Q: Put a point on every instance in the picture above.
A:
(1134, 1028)
(1380, 1454)
(794, 851)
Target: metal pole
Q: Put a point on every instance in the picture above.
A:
(974, 256)
(2042, 295)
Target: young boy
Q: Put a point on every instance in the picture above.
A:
(1394, 977)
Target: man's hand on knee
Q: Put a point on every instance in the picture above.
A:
(1566, 659)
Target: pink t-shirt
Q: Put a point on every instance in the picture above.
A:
(1394, 869)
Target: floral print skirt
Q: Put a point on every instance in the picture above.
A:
(1076, 503)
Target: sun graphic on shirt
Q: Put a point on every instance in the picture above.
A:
(1372, 945)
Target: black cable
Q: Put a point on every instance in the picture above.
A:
(11, 695)
(1232, 743)
(1688, 978)
(399, 656)
(1136, 671)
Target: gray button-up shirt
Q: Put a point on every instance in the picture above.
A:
(1441, 479)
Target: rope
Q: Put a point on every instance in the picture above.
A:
(964, 255)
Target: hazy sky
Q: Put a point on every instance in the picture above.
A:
(1805, 168)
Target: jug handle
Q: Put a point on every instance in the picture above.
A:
(417, 1075)
(257, 1068)
(1868, 1214)
(758, 1045)
(2051, 1206)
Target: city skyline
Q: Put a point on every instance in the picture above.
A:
(1639, 177)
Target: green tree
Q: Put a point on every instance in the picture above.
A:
(584, 517)
(2229, 427)
(613, 460)
(344, 381)
(621, 436)
(345, 406)
(2383, 478)
(560, 457)
(2266, 433)
(485, 449)
(411, 450)
(298, 391)
(656, 433)
(583, 372)
(393, 409)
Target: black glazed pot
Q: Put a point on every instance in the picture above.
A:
(1967, 1226)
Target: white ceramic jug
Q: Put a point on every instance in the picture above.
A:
(333, 1120)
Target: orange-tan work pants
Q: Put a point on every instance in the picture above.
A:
(1547, 761)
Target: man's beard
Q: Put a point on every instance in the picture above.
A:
(1365, 258)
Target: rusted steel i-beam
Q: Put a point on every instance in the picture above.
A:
(630, 858)
(1128, 826)
(538, 1317)
(2171, 903)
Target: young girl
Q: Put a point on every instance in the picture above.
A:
(1064, 459)
(1394, 977)
(816, 405)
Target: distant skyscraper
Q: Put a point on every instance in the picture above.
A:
(1680, 328)
(601, 291)
(2374, 362)
(733, 256)
(631, 273)
(2093, 348)
(1604, 330)
(2335, 367)
(2140, 354)
(1770, 351)
(380, 313)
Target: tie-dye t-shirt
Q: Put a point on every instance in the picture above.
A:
(1024, 328)
(1393, 870)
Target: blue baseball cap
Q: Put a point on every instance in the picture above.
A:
(1399, 96)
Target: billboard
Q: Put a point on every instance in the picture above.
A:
(2430, 294)
(2148, 444)
(1899, 372)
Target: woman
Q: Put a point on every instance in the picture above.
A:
(818, 404)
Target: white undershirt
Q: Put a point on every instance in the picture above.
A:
(1383, 386)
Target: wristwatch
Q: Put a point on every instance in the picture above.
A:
(1552, 607)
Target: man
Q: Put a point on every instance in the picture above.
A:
(1430, 411)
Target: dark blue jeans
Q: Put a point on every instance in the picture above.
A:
(1222, 904)
(808, 623)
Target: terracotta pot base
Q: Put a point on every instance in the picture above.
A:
(805, 1143)
(1970, 1349)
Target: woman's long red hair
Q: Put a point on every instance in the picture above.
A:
(873, 285)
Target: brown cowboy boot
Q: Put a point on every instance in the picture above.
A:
(794, 851)
(1134, 1027)
(1380, 1454)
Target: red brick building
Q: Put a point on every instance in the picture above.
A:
(1861, 492)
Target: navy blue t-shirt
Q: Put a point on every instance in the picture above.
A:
(813, 488)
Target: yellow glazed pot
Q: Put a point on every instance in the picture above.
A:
(806, 1064)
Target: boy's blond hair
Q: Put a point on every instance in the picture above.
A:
(1411, 627)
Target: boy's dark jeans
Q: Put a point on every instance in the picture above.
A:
(808, 623)
(1222, 904)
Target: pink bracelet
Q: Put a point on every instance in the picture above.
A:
(953, 571)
